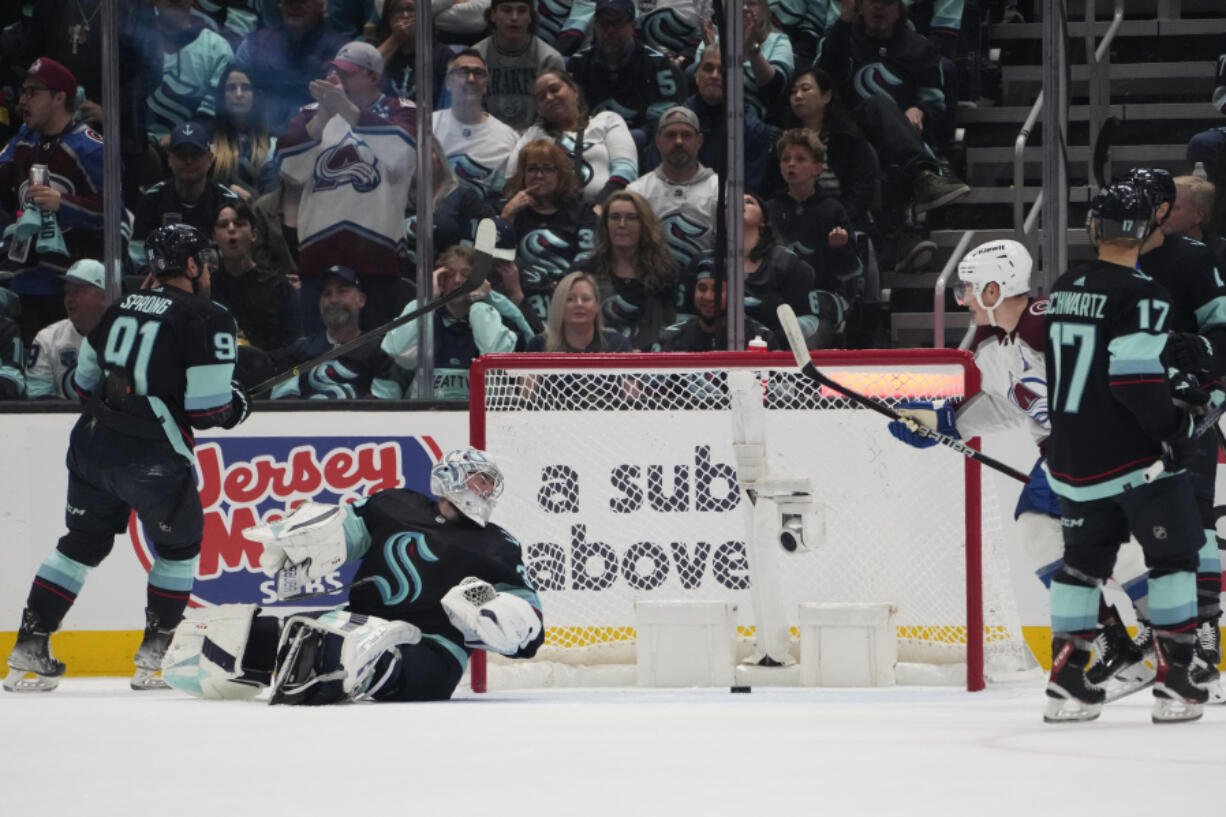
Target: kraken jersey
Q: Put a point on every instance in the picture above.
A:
(1188, 271)
(477, 153)
(608, 153)
(1108, 396)
(687, 210)
(414, 555)
(548, 243)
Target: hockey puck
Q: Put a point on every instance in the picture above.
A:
(740, 689)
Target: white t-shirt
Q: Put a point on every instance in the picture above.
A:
(477, 153)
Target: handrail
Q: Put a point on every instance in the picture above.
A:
(1100, 79)
(938, 292)
(1019, 170)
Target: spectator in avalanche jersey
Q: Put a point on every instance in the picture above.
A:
(353, 154)
(65, 211)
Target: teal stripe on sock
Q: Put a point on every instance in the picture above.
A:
(1074, 608)
(1172, 599)
(67, 573)
(174, 575)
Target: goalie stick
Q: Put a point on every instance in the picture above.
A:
(796, 340)
(484, 246)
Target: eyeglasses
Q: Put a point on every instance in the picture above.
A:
(540, 170)
(462, 73)
(623, 218)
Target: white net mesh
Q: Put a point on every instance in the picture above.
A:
(620, 484)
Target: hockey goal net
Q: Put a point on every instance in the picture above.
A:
(620, 485)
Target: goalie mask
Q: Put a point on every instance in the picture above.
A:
(1005, 263)
(469, 479)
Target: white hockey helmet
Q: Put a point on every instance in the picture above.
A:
(1005, 263)
(469, 479)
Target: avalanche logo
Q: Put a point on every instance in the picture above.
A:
(875, 79)
(246, 481)
(350, 162)
(683, 236)
(1029, 393)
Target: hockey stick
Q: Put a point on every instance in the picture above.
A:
(484, 246)
(350, 586)
(796, 339)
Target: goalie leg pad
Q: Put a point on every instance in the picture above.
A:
(205, 657)
(335, 656)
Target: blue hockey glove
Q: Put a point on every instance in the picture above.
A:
(940, 419)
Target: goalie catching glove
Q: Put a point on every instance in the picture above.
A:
(499, 622)
(941, 419)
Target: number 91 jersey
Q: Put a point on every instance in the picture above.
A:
(175, 350)
(1108, 397)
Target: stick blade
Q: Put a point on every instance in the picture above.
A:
(796, 338)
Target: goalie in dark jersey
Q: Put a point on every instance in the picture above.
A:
(159, 363)
(436, 580)
(1112, 417)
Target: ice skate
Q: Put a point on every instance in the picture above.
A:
(32, 667)
(1070, 695)
(149, 656)
(1177, 697)
(1134, 675)
(1205, 662)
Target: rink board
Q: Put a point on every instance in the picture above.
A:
(270, 460)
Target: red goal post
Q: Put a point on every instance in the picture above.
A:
(620, 485)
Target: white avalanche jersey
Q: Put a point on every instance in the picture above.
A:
(477, 153)
(51, 360)
(687, 210)
(1013, 373)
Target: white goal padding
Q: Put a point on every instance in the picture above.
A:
(621, 487)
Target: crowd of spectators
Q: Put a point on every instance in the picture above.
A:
(591, 131)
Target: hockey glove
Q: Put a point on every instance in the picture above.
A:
(1188, 395)
(1189, 352)
(499, 622)
(941, 419)
(311, 537)
(1180, 445)
(240, 405)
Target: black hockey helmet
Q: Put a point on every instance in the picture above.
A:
(1121, 211)
(1157, 183)
(168, 247)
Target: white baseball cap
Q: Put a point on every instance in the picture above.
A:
(359, 57)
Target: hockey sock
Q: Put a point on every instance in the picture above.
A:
(1209, 580)
(56, 584)
(1074, 603)
(1172, 601)
(170, 587)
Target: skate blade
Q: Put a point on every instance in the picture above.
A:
(1067, 710)
(1176, 710)
(17, 681)
(145, 679)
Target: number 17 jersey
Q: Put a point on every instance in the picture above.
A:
(1108, 397)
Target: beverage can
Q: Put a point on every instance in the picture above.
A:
(39, 174)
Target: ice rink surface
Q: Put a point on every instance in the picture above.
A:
(94, 748)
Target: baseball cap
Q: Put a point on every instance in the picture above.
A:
(344, 273)
(190, 134)
(54, 75)
(359, 57)
(678, 114)
(504, 246)
(625, 8)
(87, 271)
